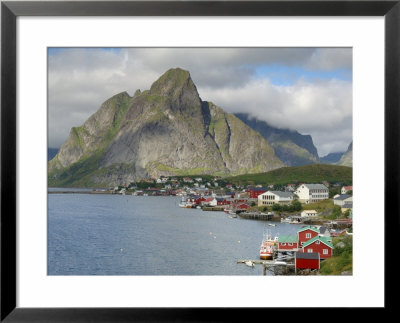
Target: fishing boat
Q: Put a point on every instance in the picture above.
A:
(184, 203)
(268, 246)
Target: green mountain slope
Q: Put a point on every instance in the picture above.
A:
(293, 148)
(316, 173)
(347, 158)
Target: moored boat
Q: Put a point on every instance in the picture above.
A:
(268, 246)
(185, 204)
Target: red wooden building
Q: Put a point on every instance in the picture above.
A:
(255, 191)
(243, 206)
(287, 243)
(222, 201)
(322, 245)
(305, 234)
(310, 260)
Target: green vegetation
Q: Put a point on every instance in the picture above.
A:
(333, 191)
(342, 259)
(316, 173)
(300, 152)
(295, 206)
(321, 206)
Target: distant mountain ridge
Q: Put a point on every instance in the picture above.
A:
(166, 130)
(347, 158)
(293, 148)
(331, 158)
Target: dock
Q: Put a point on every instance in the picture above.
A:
(255, 216)
(213, 208)
(267, 264)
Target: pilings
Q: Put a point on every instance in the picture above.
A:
(255, 216)
(269, 265)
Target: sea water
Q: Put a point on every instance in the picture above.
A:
(104, 234)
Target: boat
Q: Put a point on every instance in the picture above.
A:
(232, 214)
(249, 263)
(271, 224)
(185, 204)
(268, 246)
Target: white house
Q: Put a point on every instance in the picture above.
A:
(311, 193)
(345, 189)
(309, 213)
(343, 199)
(271, 197)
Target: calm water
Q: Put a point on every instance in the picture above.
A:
(92, 234)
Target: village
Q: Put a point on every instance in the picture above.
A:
(323, 212)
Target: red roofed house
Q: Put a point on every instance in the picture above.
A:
(322, 245)
(199, 200)
(243, 206)
(207, 201)
(345, 189)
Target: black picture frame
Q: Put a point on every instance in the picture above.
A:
(10, 10)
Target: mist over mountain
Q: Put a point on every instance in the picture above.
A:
(166, 130)
(331, 158)
(293, 148)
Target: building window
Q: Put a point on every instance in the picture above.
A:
(325, 251)
(309, 250)
(317, 242)
(308, 235)
(283, 244)
(290, 244)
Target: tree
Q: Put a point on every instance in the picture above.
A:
(336, 212)
(297, 206)
(334, 191)
(276, 207)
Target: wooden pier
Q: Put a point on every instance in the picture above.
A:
(255, 216)
(213, 208)
(267, 264)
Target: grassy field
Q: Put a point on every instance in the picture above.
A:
(316, 173)
(342, 259)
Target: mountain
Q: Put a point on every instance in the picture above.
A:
(331, 158)
(347, 158)
(293, 148)
(167, 130)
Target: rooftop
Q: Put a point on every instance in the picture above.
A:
(282, 194)
(316, 186)
(323, 239)
(287, 239)
(342, 197)
(307, 255)
(309, 228)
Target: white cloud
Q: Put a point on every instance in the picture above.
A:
(81, 79)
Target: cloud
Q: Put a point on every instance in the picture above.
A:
(81, 79)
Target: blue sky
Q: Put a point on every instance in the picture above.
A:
(288, 75)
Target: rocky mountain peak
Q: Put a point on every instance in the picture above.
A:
(167, 130)
(173, 82)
